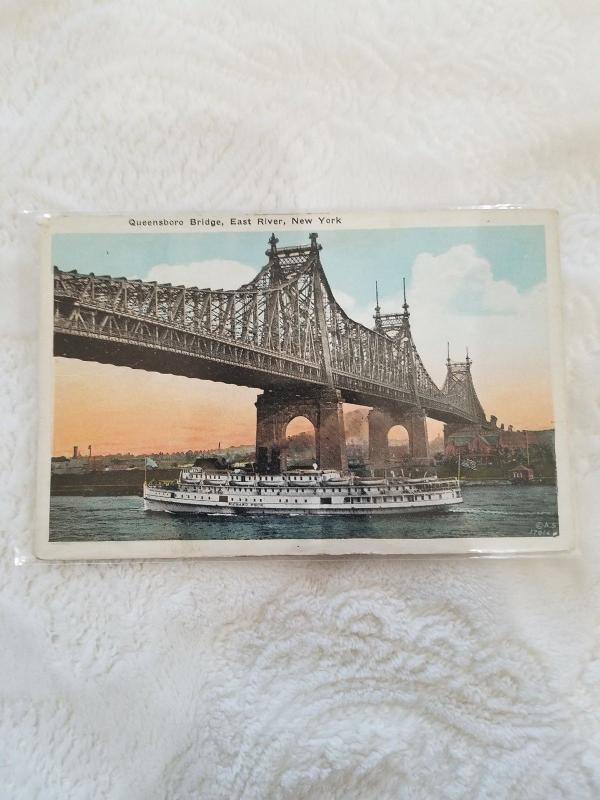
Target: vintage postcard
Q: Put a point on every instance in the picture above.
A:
(315, 383)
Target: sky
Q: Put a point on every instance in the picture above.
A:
(516, 252)
(482, 287)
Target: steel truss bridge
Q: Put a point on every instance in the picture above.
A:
(282, 331)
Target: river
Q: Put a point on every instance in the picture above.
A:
(487, 511)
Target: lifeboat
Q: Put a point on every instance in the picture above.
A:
(370, 481)
(334, 478)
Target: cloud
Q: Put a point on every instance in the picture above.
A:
(213, 274)
(462, 280)
(455, 297)
(345, 300)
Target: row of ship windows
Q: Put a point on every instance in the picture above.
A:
(308, 479)
(286, 492)
(295, 489)
(324, 500)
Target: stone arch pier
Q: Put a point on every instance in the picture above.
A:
(274, 411)
(382, 420)
(324, 409)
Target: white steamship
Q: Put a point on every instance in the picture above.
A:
(316, 492)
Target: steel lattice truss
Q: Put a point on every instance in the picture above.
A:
(285, 325)
(459, 389)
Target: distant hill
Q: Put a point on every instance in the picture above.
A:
(356, 425)
(436, 445)
(301, 448)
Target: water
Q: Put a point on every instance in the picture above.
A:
(486, 511)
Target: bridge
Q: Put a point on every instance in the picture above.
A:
(284, 333)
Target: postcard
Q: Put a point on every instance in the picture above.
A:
(313, 383)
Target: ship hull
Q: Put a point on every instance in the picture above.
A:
(189, 506)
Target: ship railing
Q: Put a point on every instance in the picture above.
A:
(426, 484)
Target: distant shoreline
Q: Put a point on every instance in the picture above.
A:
(119, 483)
(108, 484)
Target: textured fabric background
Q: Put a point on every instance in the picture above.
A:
(305, 679)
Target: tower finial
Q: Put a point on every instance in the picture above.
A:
(313, 240)
(273, 241)
(377, 315)
(448, 362)
(468, 361)
(405, 304)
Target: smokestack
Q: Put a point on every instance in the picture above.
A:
(75, 451)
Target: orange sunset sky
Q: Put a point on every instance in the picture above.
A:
(117, 409)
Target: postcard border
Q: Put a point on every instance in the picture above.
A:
(213, 548)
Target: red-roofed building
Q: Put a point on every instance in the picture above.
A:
(482, 442)
(522, 474)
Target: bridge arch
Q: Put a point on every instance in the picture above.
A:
(398, 433)
(300, 442)
(383, 421)
(398, 443)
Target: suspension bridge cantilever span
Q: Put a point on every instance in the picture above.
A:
(282, 331)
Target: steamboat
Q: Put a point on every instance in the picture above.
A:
(315, 492)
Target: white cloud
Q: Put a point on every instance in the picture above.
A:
(213, 274)
(462, 280)
(454, 297)
(345, 300)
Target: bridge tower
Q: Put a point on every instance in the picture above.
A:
(380, 420)
(460, 389)
(323, 406)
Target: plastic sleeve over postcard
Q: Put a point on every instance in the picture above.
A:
(311, 383)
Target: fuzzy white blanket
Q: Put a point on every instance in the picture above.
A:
(316, 679)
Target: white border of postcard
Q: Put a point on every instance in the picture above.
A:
(218, 223)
